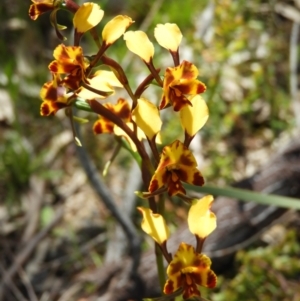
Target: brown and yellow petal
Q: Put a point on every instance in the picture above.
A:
(67, 58)
(158, 180)
(39, 7)
(185, 71)
(103, 125)
(174, 185)
(122, 109)
(192, 87)
(187, 270)
(49, 108)
(52, 91)
(190, 175)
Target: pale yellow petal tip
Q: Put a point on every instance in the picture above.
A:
(115, 28)
(168, 36)
(77, 141)
(139, 194)
(87, 16)
(139, 43)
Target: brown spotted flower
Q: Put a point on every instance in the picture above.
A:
(42, 6)
(177, 164)
(188, 270)
(54, 96)
(179, 82)
(69, 60)
(121, 109)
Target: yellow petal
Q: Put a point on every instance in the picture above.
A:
(146, 116)
(115, 28)
(87, 16)
(168, 36)
(154, 225)
(139, 43)
(201, 220)
(194, 117)
(102, 80)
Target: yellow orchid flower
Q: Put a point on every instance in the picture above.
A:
(176, 164)
(187, 270)
(120, 109)
(69, 60)
(54, 96)
(179, 82)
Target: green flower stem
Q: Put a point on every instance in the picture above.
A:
(160, 266)
(249, 196)
(82, 105)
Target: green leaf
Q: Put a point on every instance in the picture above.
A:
(249, 196)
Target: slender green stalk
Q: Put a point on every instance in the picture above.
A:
(249, 196)
(160, 266)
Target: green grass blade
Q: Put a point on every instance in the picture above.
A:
(249, 196)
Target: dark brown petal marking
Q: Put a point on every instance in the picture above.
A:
(169, 287)
(197, 278)
(175, 267)
(51, 94)
(186, 72)
(163, 103)
(201, 88)
(184, 89)
(53, 67)
(37, 9)
(124, 109)
(198, 179)
(175, 188)
(179, 102)
(186, 160)
(182, 174)
(153, 186)
(45, 110)
(211, 279)
(169, 77)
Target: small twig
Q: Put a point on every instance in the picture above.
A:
(28, 285)
(105, 195)
(26, 252)
(13, 288)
